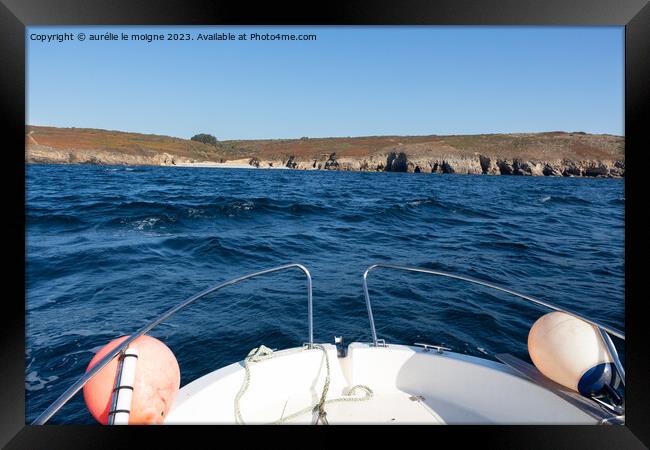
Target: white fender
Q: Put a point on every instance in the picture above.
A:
(564, 348)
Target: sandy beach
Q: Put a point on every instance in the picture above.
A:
(233, 164)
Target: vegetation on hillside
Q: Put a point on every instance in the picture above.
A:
(205, 138)
(85, 139)
(203, 147)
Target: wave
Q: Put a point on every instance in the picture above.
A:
(143, 222)
(568, 200)
(216, 249)
(423, 209)
(54, 219)
(501, 245)
(128, 212)
(33, 382)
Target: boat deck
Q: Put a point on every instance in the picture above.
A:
(383, 408)
(409, 385)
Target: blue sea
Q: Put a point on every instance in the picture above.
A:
(110, 248)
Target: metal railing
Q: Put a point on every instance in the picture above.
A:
(72, 390)
(602, 329)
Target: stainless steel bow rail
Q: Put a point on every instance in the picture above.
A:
(72, 390)
(602, 329)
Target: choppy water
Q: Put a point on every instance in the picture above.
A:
(109, 248)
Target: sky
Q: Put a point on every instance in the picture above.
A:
(350, 81)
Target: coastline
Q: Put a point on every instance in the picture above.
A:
(568, 154)
(227, 165)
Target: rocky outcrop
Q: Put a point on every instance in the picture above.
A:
(488, 165)
(480, 164)
(530, 168)
(291, 162)
(571, 169)
(550, 170)
(396, 162)
(331, 163)
(618, 170)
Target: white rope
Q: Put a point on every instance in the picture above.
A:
(262, 353)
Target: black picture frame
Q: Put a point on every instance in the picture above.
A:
(15, 15)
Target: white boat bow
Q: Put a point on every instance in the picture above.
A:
(372, 383)
(409, 385)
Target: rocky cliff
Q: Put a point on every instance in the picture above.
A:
(478, 165)
(533, 154)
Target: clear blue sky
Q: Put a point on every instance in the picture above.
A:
(352, 81)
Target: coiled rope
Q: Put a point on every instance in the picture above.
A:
(263, 353)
